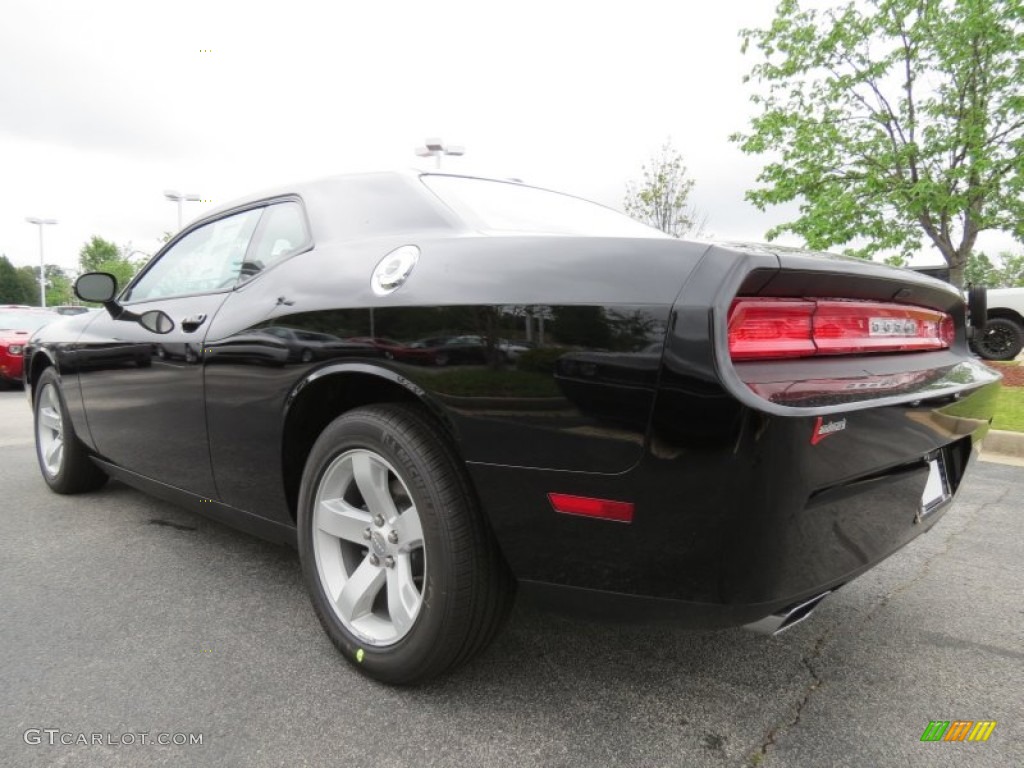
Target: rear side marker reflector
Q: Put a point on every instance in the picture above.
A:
(619, 511)
(765, 329)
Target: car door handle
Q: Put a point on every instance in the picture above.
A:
(189, 324)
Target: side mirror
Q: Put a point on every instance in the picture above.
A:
(99, 287)
(156, 321)
(102, 287)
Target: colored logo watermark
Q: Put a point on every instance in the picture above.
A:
(958, 730)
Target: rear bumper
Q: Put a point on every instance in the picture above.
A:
(762, 484)
(739, 513)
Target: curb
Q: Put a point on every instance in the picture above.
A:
(1004, 443)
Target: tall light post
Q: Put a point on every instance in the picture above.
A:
(42, 264)
(178, 197)
(436, 148)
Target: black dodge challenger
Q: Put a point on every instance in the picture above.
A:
(721, 434)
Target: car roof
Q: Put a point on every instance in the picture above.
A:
(355, 206)
(377, 203)
(328, 184)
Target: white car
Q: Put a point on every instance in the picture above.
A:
(1003, 336)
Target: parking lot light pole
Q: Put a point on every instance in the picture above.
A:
(178, 197)
(42, 265)
(436, 148)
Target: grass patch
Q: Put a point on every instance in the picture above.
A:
(1010, 409)
(1007, 403)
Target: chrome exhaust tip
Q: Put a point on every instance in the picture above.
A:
(788, 617)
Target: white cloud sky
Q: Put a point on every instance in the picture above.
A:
(103, 105)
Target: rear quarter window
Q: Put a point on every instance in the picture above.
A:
(498, 206)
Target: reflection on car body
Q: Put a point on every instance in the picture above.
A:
(306, 346)
(17, 324)
(612, 386)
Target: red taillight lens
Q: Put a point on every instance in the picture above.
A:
(848, 327)
(762, 329)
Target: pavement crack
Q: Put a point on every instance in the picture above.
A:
(815, 683)
(808, 659)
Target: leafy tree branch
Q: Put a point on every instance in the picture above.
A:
(892, 122)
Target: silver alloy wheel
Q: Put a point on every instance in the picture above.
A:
(369, 548)
(50, 430)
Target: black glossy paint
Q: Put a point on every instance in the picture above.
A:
(589, 366)
(143, 395)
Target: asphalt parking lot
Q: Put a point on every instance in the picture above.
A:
(122, 615)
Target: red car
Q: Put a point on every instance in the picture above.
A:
(16, 325)
(396, 350)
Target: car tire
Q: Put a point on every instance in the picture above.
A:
(403, 597)
(1002, 339)
(63, 460)
(977, 309)
(441, 359)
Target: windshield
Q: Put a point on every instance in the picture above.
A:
(505, 206)
(25, 321)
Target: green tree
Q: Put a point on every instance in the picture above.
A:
(662, 198)
(981, 271)
(13, 288)
(96, 253)
(29, 279)
(58, 286)
(99, 255)
(1013, 270)
(1005, 271)
(892, 121)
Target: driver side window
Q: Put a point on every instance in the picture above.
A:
(206, 259)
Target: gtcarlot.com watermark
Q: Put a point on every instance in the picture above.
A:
(56, 737)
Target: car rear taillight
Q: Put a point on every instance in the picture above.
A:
(764, 329)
